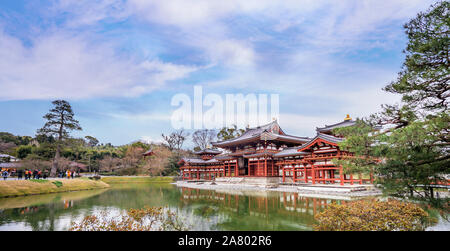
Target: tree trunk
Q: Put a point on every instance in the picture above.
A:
(55, 163)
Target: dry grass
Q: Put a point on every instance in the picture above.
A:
(136, 179)
(12, 188)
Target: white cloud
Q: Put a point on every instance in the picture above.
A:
(151, 140)
(89, 12)
(65, 66)
(232, 53)
(58, 64)
(209, 25)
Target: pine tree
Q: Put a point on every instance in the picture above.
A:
(407, 144)
(59, 123)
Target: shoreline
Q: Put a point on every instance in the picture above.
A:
(309, 191)
(19, 188)
(136, 179)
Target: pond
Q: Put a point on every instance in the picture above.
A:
(201, 209)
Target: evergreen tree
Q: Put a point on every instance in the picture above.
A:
(229, 133)
(91, 141)
(407, 144)
(59, 123)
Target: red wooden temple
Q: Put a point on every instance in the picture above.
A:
(267, 151)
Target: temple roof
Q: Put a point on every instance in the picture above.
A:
(223, 157)
(291, 151)
(329, 138)
(208, 151)
(294, 151)
(325, 137)
(271, 131)
(148, 153)
(328, 128)
(260, 154)
(199, 161)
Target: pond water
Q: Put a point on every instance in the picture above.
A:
(201, 209)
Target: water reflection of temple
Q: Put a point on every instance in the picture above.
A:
(283, 203)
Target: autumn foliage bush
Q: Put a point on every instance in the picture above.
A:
(373, 215)
(145, 219)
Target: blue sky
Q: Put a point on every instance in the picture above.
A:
(119, 62)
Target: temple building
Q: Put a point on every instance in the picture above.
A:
(268, 152)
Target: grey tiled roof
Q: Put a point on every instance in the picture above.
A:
(323, 136)
(251, 133)
(210, 151)
(344, 123)
(329, 138)
(254, 155)
(271, 131)
(290, 137)
(291, 151)
(224, 157)
(199, 161)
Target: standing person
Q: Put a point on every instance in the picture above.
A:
(34, 173)
(19, 174)
(5, 175)
(39, 174)
(26, 174)
(45, 174)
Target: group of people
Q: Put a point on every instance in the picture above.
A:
(5, 174)
(35, 174)
(68, 174)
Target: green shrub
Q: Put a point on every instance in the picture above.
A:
(57, 183)
(127, 171)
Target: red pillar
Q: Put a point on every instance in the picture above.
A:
(294, 173)
(313, 174)
(305, 173)
(257, 167)
(341, 175)
(272, 167)
(265, 167)
(283, 175)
